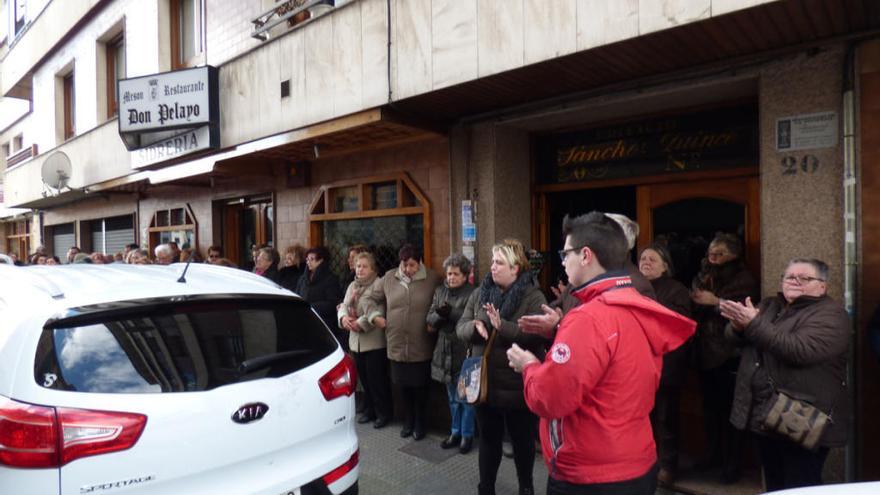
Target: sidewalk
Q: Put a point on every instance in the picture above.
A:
(390, 465)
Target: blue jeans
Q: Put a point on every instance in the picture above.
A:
(462, 413)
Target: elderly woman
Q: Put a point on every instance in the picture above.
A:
(797, 343)
(406, 293)
(655, 263)
(320, 287)
(293, 265)
(366, 342)
(446, 309)
(267, 264)
(723, 276)
(508, 292)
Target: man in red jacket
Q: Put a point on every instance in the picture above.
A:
(595, 389)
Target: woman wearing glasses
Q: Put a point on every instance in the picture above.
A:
(723, 275)
(797, 343)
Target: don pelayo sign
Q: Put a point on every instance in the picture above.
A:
(149, 106)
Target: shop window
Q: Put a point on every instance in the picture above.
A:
(187, 32)
(173, 225)
(18, 238)
(380, 212)
(115, 72)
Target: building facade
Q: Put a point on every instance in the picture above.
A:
(452, 124)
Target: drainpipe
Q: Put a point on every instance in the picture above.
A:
(388, 56)
(850, 243)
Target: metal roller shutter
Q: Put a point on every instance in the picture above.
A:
(117, 239)
(61, 243)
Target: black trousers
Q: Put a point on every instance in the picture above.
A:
(415, 403)
(724, 442)
(665, 423)
(521, 426)
(643, 485)
(372, 368)
(788, 466)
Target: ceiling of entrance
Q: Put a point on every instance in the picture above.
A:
(763, 32)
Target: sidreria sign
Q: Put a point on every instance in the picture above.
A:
(170, 114)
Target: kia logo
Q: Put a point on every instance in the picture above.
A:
(250, 412)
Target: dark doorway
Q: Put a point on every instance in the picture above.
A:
(687, 227)
(610, 200)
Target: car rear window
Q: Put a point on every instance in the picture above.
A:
(179, 346)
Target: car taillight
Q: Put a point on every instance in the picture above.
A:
(46, 437)
(340, 380)
(342, 470)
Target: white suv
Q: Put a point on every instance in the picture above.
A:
(133, 380)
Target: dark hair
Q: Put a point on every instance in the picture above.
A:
(820, 266)
(132, 246)
(320, 252)
(459, 261)
(730, 241)
(601, 234)
(661, 251)
(408, 251)
(218, 249)
(272, 253)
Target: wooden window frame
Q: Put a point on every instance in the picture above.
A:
(153, 231)
(18, 234)
(69, 105)
(114, 46)
(174, 7)
(320, 210)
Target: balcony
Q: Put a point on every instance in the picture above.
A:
(24, 187)
(46, 30)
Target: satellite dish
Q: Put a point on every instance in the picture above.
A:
(56, 170)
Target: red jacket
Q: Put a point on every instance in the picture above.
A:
(596, 387)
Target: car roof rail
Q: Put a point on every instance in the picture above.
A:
(37, 280)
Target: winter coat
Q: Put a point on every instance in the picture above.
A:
(523, 297)
(289, 276)
(360, 302)
(595, 391)
(321, 289)
(567, 300)
(272, 274)
(673, 295)
(804, 347)
(728, 281)
(406, 308)
(449, 352)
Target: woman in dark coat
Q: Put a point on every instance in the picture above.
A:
(320, 287)
(293, 265)
(723, 276)
(797, 343)
(449, 352)
(405, 293)
(507, 293)
(655, 264)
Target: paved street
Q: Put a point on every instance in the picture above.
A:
(390, 465)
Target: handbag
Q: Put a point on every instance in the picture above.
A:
(795, 419)
(472, 381)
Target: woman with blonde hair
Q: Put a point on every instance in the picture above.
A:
(490, 318)
(366, 342)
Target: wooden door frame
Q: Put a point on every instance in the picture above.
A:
(541, 212)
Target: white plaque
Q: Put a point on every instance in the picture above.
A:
(808, 131)
(165, 101)
(172, 147)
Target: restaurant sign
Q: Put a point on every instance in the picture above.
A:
(707, 140)
(151, 106)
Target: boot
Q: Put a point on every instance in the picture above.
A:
(466, 445)
(450, 442)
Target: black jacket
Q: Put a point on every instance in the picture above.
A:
(272, 274)
(675, 296)
(804, 347)
(322, 291)
(289, 276)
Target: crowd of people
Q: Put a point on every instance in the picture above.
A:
(597, 373)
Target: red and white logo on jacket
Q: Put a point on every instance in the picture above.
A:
(560, 353)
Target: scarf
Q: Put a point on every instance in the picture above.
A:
(358, 288)
(507, 301)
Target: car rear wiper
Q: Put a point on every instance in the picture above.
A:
(261, 362)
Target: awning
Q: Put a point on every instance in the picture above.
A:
(369, 129)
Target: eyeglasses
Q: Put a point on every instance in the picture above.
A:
(311, 259)
(563, 253)
(800, 279)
